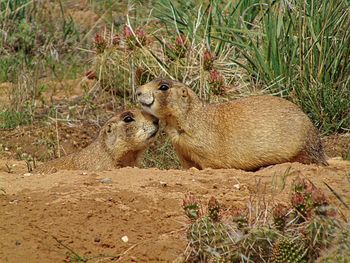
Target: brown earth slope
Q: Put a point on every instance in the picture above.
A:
(59, 217)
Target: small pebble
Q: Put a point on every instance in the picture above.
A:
(125, 239)
(97, 239)
(18, 242)
(106, 180)
(164, 184)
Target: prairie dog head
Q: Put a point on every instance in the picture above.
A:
(130, 130)
(164, 97)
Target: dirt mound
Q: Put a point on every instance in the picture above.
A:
(71, 215)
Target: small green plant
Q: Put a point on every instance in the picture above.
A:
(75, 258)
(29, 160)
(10, 119)
(192, 207)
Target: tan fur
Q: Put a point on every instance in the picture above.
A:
(245, 133)
(118, 144)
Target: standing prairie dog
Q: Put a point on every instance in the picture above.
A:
(246, 133)
(121, 142)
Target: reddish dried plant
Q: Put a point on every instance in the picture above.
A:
(134, 40)
(180, 46)
(208, 60)
(216, 81)
(100, 43)
(279, 214)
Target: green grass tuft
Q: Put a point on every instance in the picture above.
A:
(10, 119)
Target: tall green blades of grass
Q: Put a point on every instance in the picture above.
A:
(200, 23)
(325, 63)
(301, 49)
(298, 49)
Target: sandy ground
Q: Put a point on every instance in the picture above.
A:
(56, 217)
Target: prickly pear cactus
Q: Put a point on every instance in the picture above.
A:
(287, 250)
(256, 246)
(319, 233)
(210, 239)
(340, 250)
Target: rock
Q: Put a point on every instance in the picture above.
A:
(237, 186)
(125, 239)
(106, 180)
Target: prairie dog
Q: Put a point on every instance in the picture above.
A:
(246, 133)
(120, 142)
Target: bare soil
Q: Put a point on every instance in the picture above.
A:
(58, 217)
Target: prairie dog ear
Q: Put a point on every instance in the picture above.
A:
(107, 129)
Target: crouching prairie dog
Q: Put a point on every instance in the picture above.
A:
(120, 142)
(246, 133)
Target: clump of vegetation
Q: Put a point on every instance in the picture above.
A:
(137, 54)
(281, 46)
(37, 39)
(215, 47)
(299, 232)
(221, 49)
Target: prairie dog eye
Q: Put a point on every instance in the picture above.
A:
(164, 87)
(128, 119)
